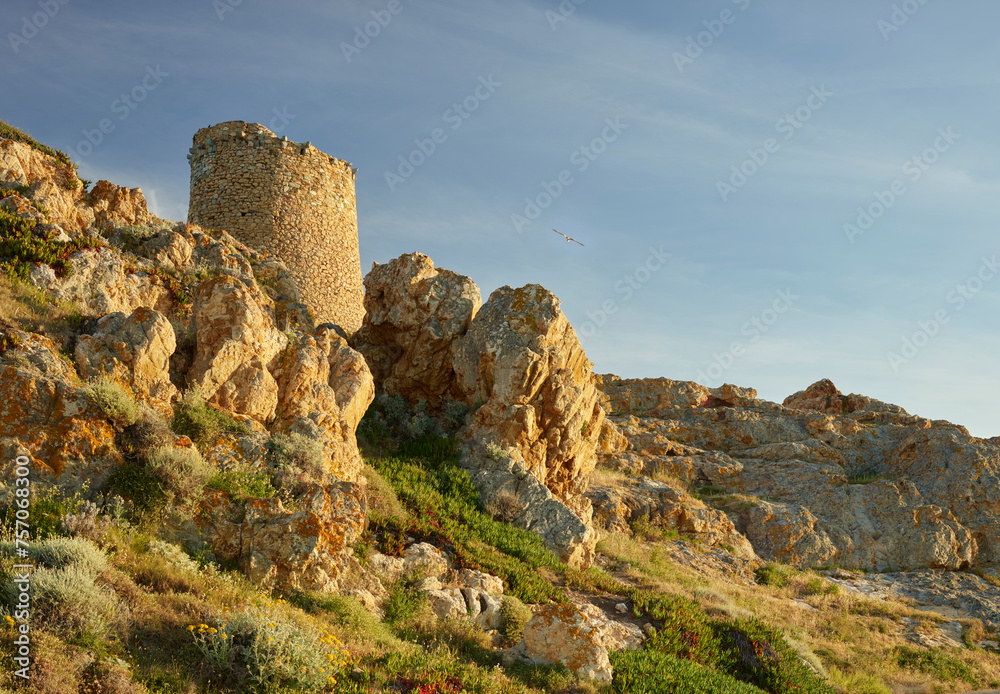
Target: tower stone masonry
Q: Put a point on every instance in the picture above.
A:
(288, 199)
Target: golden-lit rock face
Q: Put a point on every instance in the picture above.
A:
(326, 385)
(414, 312)
(523, 361)
(68, 439)
(563, 635)
(842, 480)
(136, 350)
(308, 548)
(117, 206)
(236, 345)
(54, 185)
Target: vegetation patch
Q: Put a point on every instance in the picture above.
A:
(201, 423)
(20, 247)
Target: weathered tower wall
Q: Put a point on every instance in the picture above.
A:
(288, 199)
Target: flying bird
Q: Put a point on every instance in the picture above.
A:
(568, 238)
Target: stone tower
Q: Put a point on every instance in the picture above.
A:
(288, 199)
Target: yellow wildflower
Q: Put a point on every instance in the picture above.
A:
(190, 627)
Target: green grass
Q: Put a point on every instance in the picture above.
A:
(442, 507)
(935, 663)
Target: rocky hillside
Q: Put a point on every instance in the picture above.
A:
(200, 516)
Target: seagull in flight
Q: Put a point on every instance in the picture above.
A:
(568, 238)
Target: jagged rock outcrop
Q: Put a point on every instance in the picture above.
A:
(308, 548)
(103, 282)
(652, 397)
(957, 472)
(133, 349)
(237, 343)
(872, 487)
(517, 360)
(116, 206)
(522, 359)
(54, 185)
(823, 396)
(325, 384)
(413, 314)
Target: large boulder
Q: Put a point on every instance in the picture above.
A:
(413, 314)
(563, 635)
(117, 206)
(236, 345)
(957, 472)
(134, 349)
(523, 361)
(278, 548)
(322, 380)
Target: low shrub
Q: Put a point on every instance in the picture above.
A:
(173, 554)
(182, 475)
(404, 604)
(504, 506)
(115, 401)
(934, 663)
(67, 602)
(243, 484)
(514, 616)
(201, 423)
(260, 652)
(62, 552)
(47, 506)
(87, 522)
(135, 482)
(297, 460)
(776, 575)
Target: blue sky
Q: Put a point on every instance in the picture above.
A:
(768, 192)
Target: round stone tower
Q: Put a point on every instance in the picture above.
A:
(288, 199)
